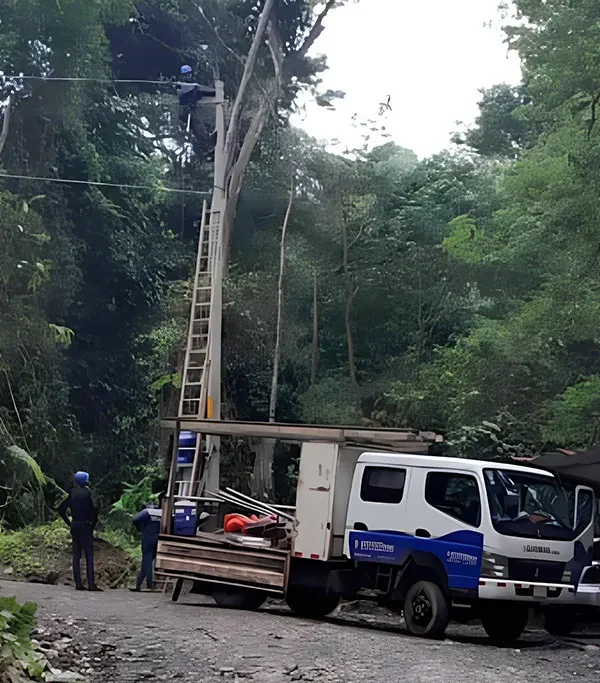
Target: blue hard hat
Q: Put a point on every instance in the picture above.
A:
(82, 478)
(186, 69)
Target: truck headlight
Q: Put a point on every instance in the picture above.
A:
(494, 566)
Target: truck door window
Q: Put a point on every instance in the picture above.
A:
(456, 495)
(585, 509)
(382, 485)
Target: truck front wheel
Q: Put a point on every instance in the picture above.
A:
(426, 610)
(504, 623)
(310, 603)
(239, 599)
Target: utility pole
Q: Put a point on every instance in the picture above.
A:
(217, 210)
(201, 379)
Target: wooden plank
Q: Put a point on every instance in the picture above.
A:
(174, 575)
(218, 555)
(202, 539)
(224, 572)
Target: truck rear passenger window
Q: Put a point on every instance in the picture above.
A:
(382, 485)
(456, 495)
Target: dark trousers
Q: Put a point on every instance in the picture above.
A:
(148, 557)
(82, 534)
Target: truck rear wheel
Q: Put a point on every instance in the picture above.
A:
(310, 603)
(504, 622)
(560, 621)
(426, 610)
(239, 599)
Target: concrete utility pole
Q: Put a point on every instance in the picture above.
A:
(217, 211)
(201, 379)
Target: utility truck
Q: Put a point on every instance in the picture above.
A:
(379, 518)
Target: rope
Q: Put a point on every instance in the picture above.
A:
(160, 188)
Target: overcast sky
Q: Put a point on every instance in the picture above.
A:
(430, 56)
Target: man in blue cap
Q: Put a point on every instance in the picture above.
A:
(190, 94)
(84, 518)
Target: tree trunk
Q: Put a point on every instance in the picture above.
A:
(238, 172)
(5, 124)
(250, 64)
(237, 164)
(315, 344)
(277, 353)
(262, 478)
(350, 295)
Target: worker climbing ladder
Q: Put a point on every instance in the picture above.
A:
(201, 377)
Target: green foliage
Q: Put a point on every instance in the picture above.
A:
(33, 551)
(465, 241)
(16, 650)
(135, 496)
(574, 417)
(21, 456)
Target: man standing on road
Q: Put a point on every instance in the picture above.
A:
(84, 518)
(148, 522)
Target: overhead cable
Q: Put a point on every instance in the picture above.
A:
(124, 186)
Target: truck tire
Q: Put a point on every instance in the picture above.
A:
(311, 604)
(239, 599)
(560, 621)
(504, 623)
(426, 610)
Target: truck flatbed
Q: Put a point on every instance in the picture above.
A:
(210, 560)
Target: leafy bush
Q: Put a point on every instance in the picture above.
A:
(25, 550)
(16, 650)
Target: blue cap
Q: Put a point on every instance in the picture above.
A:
(186, 69)
(82, 478)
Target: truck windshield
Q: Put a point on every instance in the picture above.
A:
(529, 505)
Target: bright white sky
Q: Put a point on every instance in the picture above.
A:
(431, 56)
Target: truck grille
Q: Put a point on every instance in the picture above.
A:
(536, 571)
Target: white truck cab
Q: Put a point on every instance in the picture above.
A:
(484, 536)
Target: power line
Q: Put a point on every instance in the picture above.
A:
(108, 81)
(160, 188)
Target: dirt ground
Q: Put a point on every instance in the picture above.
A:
(55, 567)
(123, 637)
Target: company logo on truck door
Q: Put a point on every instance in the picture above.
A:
(545, 549)
(373, 546)
(461, 558)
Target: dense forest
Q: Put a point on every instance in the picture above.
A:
(459, 293)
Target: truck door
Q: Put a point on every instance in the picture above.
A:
(583, 522)
(378, 501)
(443, 502)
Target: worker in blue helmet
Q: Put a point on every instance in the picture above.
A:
(190, 94)
(84, 517)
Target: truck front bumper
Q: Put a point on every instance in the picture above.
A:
(518, 591)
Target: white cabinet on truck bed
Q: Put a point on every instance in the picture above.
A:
(324, 483)
(314, 500)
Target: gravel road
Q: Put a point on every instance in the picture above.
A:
(122, 637)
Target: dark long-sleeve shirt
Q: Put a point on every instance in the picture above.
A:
(149, 525)
(81, 505)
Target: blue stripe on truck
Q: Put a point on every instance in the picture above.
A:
(460, 552)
